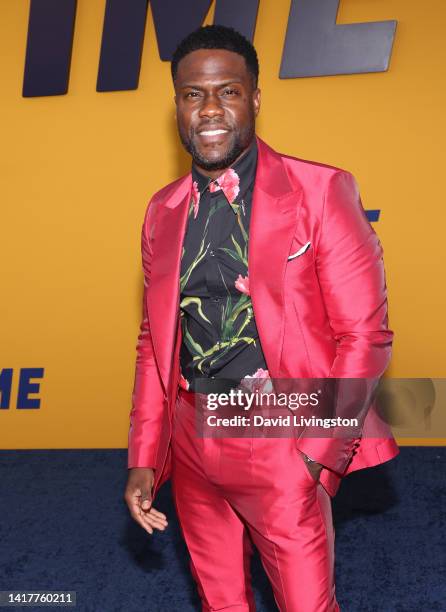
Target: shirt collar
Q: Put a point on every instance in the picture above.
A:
(234, 182)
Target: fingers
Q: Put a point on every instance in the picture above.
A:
(147, 517)
(158, 514)
(136, 516)
(153, 519)
(146, 502)
(135, 512)
(148, 520)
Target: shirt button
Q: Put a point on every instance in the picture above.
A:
(211, 253)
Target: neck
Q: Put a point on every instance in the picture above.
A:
(214, 174)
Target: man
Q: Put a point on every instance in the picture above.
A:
(306, 300)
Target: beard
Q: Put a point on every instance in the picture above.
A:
(239, 142)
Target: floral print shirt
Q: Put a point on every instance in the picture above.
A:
(219, 334)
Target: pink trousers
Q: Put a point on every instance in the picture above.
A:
(232, 492)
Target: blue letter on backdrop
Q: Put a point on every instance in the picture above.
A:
(48, 49)
(5, 387)
(316, 46)
(26, 387)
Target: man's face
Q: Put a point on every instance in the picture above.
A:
(216, 107)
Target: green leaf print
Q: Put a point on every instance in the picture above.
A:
(231, 252)
(243, 302)
(237, 247)
(242, 229)
(193, 346)
(194, 300)
(200, 255)
(219, 346)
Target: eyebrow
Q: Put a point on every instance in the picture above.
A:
(224, 84)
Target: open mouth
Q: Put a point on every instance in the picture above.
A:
(208, 133)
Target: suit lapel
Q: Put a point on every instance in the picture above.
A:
(163, 296)
(275, 209)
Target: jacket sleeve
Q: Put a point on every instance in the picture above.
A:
(148, 395)
(352, 281)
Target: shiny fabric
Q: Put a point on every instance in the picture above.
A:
(219, 333)
(331, 300)
(232, 492)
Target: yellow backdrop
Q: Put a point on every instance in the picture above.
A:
(78, 170)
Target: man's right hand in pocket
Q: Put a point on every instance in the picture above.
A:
(138, 496)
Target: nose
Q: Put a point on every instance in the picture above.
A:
(211, 107)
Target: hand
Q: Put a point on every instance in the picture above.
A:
(314, 468)
(138, 496)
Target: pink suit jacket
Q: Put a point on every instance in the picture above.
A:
(322, 314)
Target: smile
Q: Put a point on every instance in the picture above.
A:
(212, 132)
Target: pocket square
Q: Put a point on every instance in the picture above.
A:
(301, 251)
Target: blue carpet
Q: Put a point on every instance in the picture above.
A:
(64, 526)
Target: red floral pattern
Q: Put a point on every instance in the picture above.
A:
(229, 183)
(259, 381)
(259, 373)
(242, 284)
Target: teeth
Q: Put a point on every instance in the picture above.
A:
(213, 132)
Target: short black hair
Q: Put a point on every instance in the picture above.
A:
(217, 37)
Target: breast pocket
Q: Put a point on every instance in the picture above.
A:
(300, 259)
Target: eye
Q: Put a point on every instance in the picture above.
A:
(192, 94)
(230, 91)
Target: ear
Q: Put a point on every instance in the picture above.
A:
(175, 106)
(256, 95)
